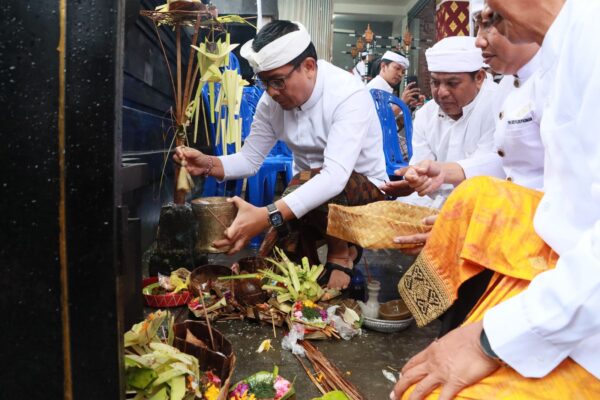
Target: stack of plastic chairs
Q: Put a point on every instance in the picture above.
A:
(394, 158)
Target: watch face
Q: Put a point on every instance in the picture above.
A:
(276, 219)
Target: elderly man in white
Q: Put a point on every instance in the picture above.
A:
(546, 335)
(327, 118)
(457, 129)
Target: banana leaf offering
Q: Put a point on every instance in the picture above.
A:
(155, 370)
(263, 385)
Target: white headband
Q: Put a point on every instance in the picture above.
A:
(277, 53)
(395, 57)
(454, 54)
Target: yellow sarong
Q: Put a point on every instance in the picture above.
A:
(487, 223)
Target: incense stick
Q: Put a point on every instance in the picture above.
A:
(310, 376)
(369, 278)
(212, 339)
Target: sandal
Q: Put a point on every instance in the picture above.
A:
(359, 253)
(329, 267)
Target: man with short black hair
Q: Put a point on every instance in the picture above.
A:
(328, 119)
(392, 68)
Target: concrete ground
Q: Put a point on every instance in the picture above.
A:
(362, 358)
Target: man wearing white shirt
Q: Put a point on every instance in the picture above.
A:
(457, 129)
(360, 69)
(544, 340)
(327, 118)
(393, 66)
(518, 113)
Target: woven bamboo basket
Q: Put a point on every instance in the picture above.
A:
(374, 225)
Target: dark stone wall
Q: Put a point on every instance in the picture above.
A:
(50, 298)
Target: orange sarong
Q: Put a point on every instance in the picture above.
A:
(487, 223)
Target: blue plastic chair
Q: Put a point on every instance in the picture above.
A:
(211, 186)
(394, 158)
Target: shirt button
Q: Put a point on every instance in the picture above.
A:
(501, 115)
(501, 153)
(517, 83)
(509, 179)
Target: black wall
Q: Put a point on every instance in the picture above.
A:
(61, 329)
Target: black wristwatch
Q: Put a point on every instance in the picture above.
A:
(486, 347)
(276, 220)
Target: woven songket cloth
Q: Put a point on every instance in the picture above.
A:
(309, 232)
(487, 224)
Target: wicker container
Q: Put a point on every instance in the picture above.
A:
(214, 215)
(375, 225)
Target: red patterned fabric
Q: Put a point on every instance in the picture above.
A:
(452, 19)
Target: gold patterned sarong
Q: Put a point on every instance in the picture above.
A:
(487, 223)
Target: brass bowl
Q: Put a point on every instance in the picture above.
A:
(394, 310)
(214, 215)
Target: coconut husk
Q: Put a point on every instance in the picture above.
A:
(374, 225)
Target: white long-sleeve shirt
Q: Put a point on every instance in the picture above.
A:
(379, 83)
(517, 138)
(558, 315)
(468, 141)
(337, 129)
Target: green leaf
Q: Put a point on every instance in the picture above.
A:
(335, 395)
(177, 387)
(140, 378)
(162, 394)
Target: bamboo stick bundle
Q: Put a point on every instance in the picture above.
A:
(333, 378)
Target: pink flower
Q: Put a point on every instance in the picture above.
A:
(241, 389)
(282, 386)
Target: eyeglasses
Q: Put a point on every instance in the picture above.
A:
(277, 83)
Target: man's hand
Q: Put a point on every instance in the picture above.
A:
(453, 362)
(420, 239)
(197, 163)
(426, 177)
(411, 95)
(249, 222)
(397, 188)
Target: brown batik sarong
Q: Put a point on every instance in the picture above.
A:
(307, 234)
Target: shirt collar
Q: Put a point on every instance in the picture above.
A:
(317, 92)
(528, 69)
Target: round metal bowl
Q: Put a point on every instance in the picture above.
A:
(394, 310)
(385, 326)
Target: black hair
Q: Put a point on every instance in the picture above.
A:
(375, 67)
(276, 29)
